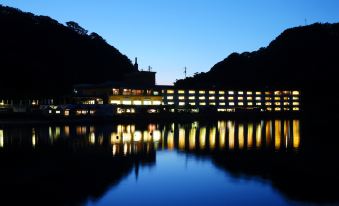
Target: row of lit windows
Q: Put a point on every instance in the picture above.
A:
(170, 91)
(233, 103)
(136, 102)
(232, 98)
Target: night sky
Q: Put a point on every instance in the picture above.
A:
(171, 34)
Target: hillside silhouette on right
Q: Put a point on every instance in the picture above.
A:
(304, 58)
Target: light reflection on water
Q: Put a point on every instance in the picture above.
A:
(130, 138)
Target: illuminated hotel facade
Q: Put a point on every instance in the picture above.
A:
(157, 98)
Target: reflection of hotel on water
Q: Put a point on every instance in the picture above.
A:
(127, 139)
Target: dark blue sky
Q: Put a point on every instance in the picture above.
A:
(172, 34)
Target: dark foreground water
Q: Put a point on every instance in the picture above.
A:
(226, 162)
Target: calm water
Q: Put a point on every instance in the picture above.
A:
(219, 163)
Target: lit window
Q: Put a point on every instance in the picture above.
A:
(257, 98)
(137, 102)
(240, 98)
(211, 92)
(221, 98)
(192, 103)
(268, 93)
(230, 98)
(295, 92)
(115, 101)
(295, 103)
(277, 109)
(202, 103)
(250, 103)
(181, 92)
(295, 98)
(286, 103)
(286, 98)
(276, 98)
(201, 92)
(67, 113)
(240, 103)
(170, 103)
(169, 97)
(258, 103)
(191, 97)
(249, 98)
(286, 109)
(50, 111)
(181, 103)
(221, 92)
(212, 98)
(268, 98)
(295, 108)
(191, 92)
(241, 92)
(231, 103)
(269, 109)
(202, 97)
(277, 93)
(221, 110)
(268, 103)
(277, 103)
(156, 102)
(231, 92)
(181, 97)
(126, 102)
(147, 102)
(257, 93)
(170, 91)
(57, 112)
(212, 103)
(249, 93)
(222, 103)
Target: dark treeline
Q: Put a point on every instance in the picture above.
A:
(305, 58)
(40, 57)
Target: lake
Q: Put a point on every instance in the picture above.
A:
(217, 162)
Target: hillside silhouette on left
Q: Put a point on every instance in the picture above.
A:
(41, 58)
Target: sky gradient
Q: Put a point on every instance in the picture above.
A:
(171, 34)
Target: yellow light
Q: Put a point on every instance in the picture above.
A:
(202, 137)
(296, 134)
(147, 102)
(191, 98)
(257, 93)
(211, 98)
(126, 102)
(181, 103)
(192, 103)
(115, 101)
(67, 113)
(249, 93)
(295, 98)
(250, 103)
(231, 103)
(156, 102)
(170, 91)
(221, 98)
(181, 92)
(241, 92)
(201, 92)
(169, 97)
(277, 103)
(211, 92)
(202, 103)
(181, 97)
(276, 98)
(212, 103)
(137, 102)
(258, 103)
(295, 108)
(249, 98)
(170, 103)
(181, 138)
(222, 103)
(201, 97)
(240, 103)
(295, 92)
(257, 98)
(230, 98)
(231, 92)
(277, 109)
(295, 103)
(191, 92)
(268, 103)
(1, 138)
(221, 92)
(241, 136)
(156, 135)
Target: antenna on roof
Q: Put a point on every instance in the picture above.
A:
(185, 72)
(149, 68)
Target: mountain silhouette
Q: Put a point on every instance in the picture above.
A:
(304, 58)
(40, 57)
